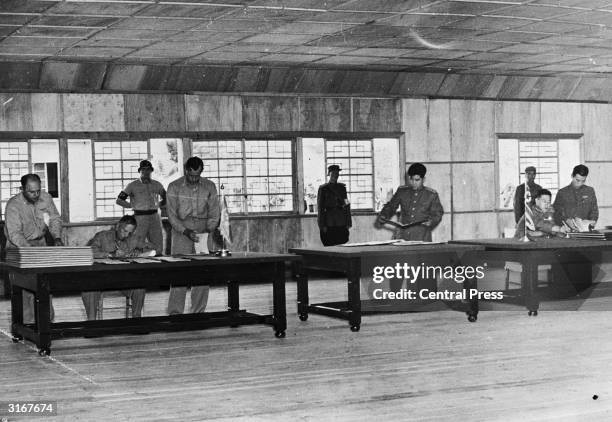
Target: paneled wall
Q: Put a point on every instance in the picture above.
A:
(85, 115)
(456, 139)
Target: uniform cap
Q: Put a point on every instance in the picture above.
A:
(145, 165)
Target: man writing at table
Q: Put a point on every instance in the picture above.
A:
(543, 218)
(31, 216)
(193, 208)
(118, 242)
(576, 204)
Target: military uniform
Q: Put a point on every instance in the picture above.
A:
(571, 202)
(543, 221)
(334, 213)
(26, 226)
(194, 207)
(519, 199)
(102, 244)
(416, 205)
(146, 196)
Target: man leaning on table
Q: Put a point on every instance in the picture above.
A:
(193, 208)
(119, 242)
(31, 216)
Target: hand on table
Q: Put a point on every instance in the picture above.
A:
(192, 235)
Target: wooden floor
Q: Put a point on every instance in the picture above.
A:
(429, 366)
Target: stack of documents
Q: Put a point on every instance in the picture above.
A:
(594, 235)
(49, 256)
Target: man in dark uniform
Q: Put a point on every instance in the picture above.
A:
(575, 206)
(576, 200)
(420, 208)
(519, 194)
(334, 210)
(543, 219)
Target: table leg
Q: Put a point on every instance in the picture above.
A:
(471, 283)
(233, 298)
(301, 276)
(16, 309)
(529, 286)
(354, 294)
(279, 301)
(43, 317)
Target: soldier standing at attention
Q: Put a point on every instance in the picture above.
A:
(519, 194)
(334, 210)
(145, 197)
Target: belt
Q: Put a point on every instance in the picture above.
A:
(145, 212)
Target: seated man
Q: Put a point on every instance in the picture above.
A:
(118, 242)
(543, 218)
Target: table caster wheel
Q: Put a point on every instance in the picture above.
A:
(355, 328)
(533, 313)
(44, 351)
(472, 318)
(303, 317)
(17, 339)
(279, 334)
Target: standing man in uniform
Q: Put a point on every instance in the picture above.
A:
(145, 197)
(420, 208)
(576, 201)
(118, 242)
(519, 194)
(193, 208)
(334, 210)
(30, 216)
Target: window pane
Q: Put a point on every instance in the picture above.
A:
(13, 164)
(116, 165)
(355, 159)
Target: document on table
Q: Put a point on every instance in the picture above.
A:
(372, 243)
(169, 259)
(109, 261)
(414, 242)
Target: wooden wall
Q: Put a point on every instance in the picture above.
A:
(178, 113)
(456, 139)
(84, 115)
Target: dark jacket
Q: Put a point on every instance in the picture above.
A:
(331, 206)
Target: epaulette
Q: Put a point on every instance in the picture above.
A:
(427, 188)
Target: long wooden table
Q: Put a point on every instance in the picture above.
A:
(349, 259)
(571, 261)
(240, 268)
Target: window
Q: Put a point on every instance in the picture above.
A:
(370, 169)
(514, 155)
(355, 158)
(14, 163)
(116, 164)
(17, 158)
(256, 175)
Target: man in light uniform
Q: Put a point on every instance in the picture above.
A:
(30, 216)
(193, 208)
(145, 197)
